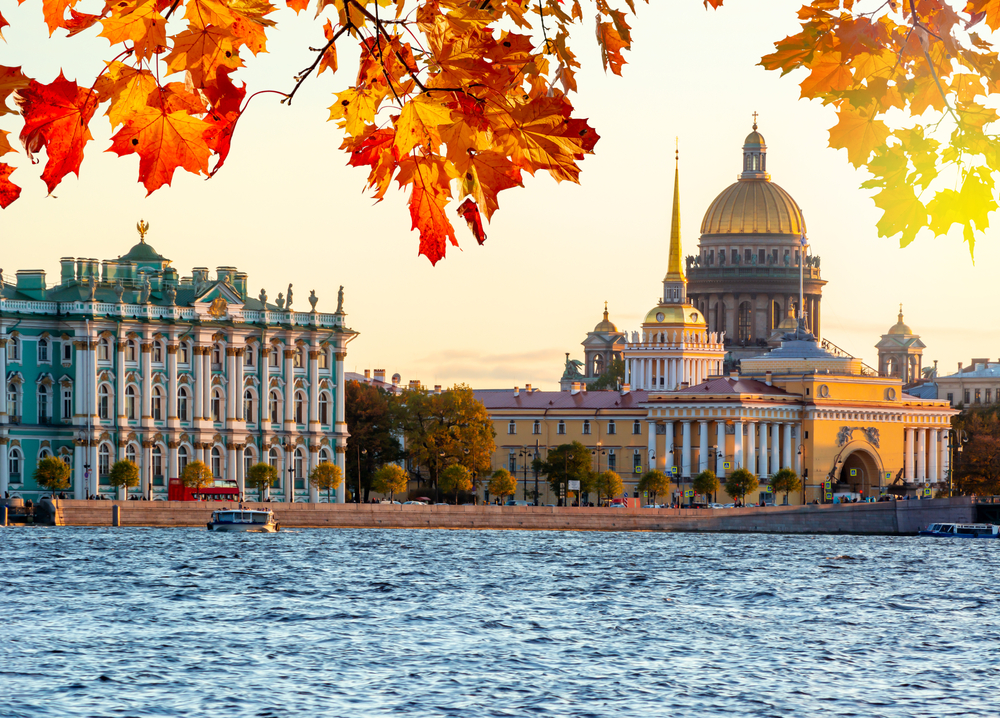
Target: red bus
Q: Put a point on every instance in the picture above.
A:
(217, 491)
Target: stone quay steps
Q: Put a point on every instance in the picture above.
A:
(886, 518)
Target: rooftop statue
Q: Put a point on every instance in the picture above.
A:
(171, 294)
(288, 301)
(313, 299)
(340, 300)
(263, 299)
(280, 301)
(572, 370)
(119, 291)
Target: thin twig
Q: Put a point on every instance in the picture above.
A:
(301, 77)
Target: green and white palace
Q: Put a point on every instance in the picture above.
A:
(127, 359)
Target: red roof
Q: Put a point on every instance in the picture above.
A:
(743, 385)
(496, 399)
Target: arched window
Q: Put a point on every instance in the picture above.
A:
(249, 410)
(598, 365)
(44, 415)
(324, 408)
(272, 458)
(182, 403)
(511, 427)
(44, 454)
(157, 403)
(536, 428)
(274, 407)
(561, 427)
(300, 407)
(299, 465)
(248, 354)
(216, 462)
(182, 459)
(744, 329)
(217, 356)
(104, 349)
(217, 405)
(67, 404)
(156, 465)
(130, 454)
(157, 352)
(67, 350)
(14, 464)
(14, 349)
(324, 358)
(274, 357)
(586, 426)
(324, 456)
(300, 358)
(43, 350)
(130, 412)
(13, 402)
(248, 460)
(183, 353)
(611, 427)
(67, 459)
(103, 461)
(131, 351)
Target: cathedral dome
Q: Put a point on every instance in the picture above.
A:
(754, 139)
(674, 315)
(141, 252)
(899, 327)
(606, 326)
(753, 206)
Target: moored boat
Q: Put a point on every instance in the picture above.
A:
(251, 520)
(963, 530)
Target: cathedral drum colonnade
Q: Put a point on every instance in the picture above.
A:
(163, 370)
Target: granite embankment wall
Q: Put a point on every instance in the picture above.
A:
(894, 517)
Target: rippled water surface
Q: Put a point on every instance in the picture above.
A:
(151, 622)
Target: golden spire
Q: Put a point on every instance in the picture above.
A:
(675, 271)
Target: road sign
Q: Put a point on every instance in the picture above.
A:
(727, 465)
(673, 470)
(688, 493)
(625, 495)
(645, 493)
(574, 484)
(829, 495)
(927, 493)
(638, 469)
(854, 472)
(888, 474)
(828, 485)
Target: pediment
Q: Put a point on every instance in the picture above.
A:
(219, 302)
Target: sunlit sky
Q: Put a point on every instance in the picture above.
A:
(287, 209)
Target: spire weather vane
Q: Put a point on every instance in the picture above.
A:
(142, 226)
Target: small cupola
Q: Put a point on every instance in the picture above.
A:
(754, 155)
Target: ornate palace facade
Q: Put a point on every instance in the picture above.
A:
(127, 359)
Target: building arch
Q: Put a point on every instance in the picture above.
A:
(867, 464)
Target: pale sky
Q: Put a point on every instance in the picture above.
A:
(286, 208)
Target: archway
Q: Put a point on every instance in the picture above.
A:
(866, 468)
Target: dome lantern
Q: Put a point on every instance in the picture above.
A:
(754, 155)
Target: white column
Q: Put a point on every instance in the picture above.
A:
(798, 454)
(119, 345)
(5, 466)
(775, 447)
(738, 445)
(314, 424)
(922, 454)
(290, 389)
(241, 479)
(933, 456)
(943, 448)
(751, 447)
(703, 446)
(145, 475)
(289, 476)
(340, 431)
(147, 383)
(313, 460)
(764, 471)
(720, 445)
(233, 393)
(786, 459)
(668, 447)
(236, 389)
(172, 420)
(231, 461)
(908, 455)
(206, 396)
(3, 379)
(686, 449)
(199, 381)
(651, 445)
(172, 469)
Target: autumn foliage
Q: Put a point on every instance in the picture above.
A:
(455, 100)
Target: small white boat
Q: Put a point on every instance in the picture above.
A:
(253, 520)
(963, 530)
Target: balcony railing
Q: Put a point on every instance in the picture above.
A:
(744, 271)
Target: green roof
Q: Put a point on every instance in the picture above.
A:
(142, 252)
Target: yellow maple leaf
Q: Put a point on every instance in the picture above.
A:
(139, 22)
(353, 109)
(128, 89)
(202, 52)
(902, 213)
(858, 133)
(829, 74)
(419, 121)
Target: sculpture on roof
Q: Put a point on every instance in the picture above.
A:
(313, 299)
(119, 291)
(572, 370)
(288, 300)
(146, 289)
(92, 289)
(171, 294)
(280, 301)
(263, 299)
(340, 300)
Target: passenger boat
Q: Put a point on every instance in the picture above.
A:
(963, 530)
(253, 520)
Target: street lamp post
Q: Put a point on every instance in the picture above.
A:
(524, 454)
(534, 468)
(291, 481)
(357, 499)
(802, 462)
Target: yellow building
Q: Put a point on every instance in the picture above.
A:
(529, 422)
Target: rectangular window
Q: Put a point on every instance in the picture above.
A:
(736, 256)
(67, 409)
(774, 256)
(711, 257)
(586, 426)
(966, 396)
(636, 427)
(511, 428)
(748, 255)
(951, 398)
(536, 427)
(561, 429)
(612, 462)
(512, 463)
(978, 396)
(761, 257)
(67, 351)
(611, 427)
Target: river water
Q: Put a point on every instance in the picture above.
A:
(153, 622)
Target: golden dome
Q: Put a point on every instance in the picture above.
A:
(675, 315)
(754, 139)
(753, 206)
(606, 325)
(899, 327)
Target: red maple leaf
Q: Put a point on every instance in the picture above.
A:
(56, 117)
(470, 210)
(8, 190)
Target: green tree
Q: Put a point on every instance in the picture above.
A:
(52, 474)
(373, 420)
(565, 463)
(196, 474)
(502, 484)
(655, 482)
(455, 478)
(785, 481)
(326, 477)
(608, 484)
(261, 476)
(124, 474)
(706, 483)
(450, 427)
(390, 479)
(612, 378)
(976, 468)
(740, 483)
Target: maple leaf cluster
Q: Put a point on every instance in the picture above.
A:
(446, 103)
(929, 60)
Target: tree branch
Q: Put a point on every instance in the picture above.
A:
(301, 77)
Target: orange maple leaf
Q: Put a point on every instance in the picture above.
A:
(470, 211)
(612, 44)
(57, 117)
(128, 88)
(375, 149)
(430, 180)
(78, 22)
(5, 144)
(164, 141)
(329, 60)
(486, 174)
(859, 133)
(204, 53)
(11, 80)
(419, 121)
(139, 22)
(8, 190)
(54, 12)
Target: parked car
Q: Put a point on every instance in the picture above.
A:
(417, 503)
(512, 502)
